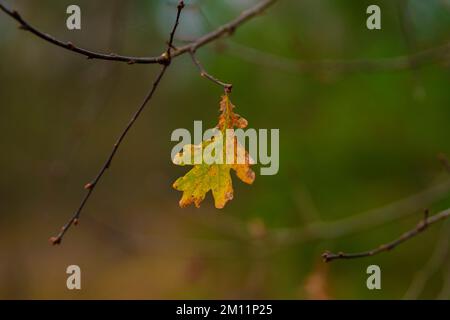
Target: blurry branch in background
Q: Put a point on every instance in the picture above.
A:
(222, 31)
(91, 186)
(421, 226)
(445, 291)
(405, 62)
(444, 161)
(96, 100)
(409, 37)
(323, 230)
(439, 257)
(439, 54)
(159, 243)
(436, 261)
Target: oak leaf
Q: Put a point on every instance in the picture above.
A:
(206, 175)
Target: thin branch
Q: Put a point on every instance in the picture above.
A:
(91, 185)
(398, 63)
(24, 25)
(180, 7)
(222, 31)
(226, 29)
(227, 86)
(421, 226)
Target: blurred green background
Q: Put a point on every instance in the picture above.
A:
(349, 142)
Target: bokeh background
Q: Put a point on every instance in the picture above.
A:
(349, 142)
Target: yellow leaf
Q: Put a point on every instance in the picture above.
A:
(204, 177)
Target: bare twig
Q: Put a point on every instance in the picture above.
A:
(222, 31)
(421, 226)
(24, 25)
(227, 86)
(91, 185)
(226, 29)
